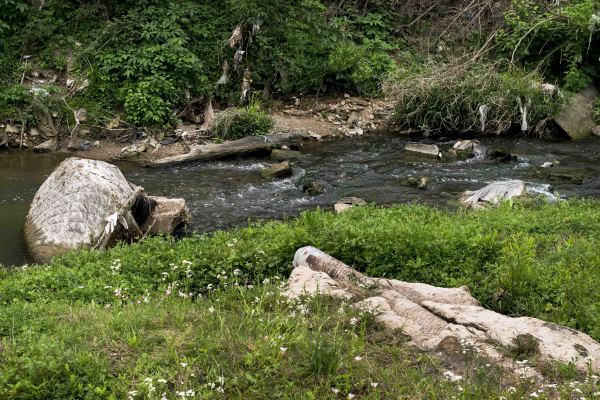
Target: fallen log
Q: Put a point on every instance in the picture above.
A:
(248, 146)
(436, 317)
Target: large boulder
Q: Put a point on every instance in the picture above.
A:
(577, 119)
(88, 204)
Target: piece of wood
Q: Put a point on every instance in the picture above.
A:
(248, 146)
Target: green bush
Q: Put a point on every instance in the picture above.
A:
(562, 37)
(479, 98)
(360, 68)
(235, 123)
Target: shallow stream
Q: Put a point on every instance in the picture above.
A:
(232, 193)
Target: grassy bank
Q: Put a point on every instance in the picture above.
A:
(204, 315)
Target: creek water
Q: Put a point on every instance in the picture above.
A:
(232, 193)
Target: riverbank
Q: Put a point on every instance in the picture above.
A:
(192, 311)
(320, 119)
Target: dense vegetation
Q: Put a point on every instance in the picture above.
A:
(154, 62)
(203, 314)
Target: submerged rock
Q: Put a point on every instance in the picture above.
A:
(88, 204)
(426, 149)
(314, 188)
(493, 193)
(420, 182)
(501, 156)
(432, 316)
(280, 170)
(282, 155)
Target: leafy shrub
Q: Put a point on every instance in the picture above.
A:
(149, 63)
(564, 37)
(457, 98)
(236, 123)
(360, 68)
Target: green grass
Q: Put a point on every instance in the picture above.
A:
(98, 325)
(235, 123)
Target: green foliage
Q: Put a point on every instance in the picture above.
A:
(563, 37)
(236, 123)
(476, 98)
(533, 259)
(205, 314)
(148, 62)
(13, 99)
(360, 68)
(240, 342)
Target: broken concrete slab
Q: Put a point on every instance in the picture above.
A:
(426, 149)
(432, 315)
(577, 119)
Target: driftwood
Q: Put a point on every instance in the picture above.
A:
(437, 318)
(248, 146)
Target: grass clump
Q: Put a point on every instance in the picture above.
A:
(454, 98)
(235, 123)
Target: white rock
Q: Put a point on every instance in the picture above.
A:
(425, 149)
(493, 193)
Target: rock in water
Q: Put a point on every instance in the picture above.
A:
(493, 193)
(282, 155)
(85, 204)
(426, 149)
(314, 188)
(577, 119)
(432, 316)
(473, 146)
(280, 170)
(347, 203)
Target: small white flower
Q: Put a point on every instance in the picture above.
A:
(211, 309)
(534, 394)
(221, 380)
(357, 358)
(237, 272)
(511, 389)
(184, 364)
(353, 321)
(335, 390)
(283, 349)
(374, 384)
(351, 396)
(161, 380)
